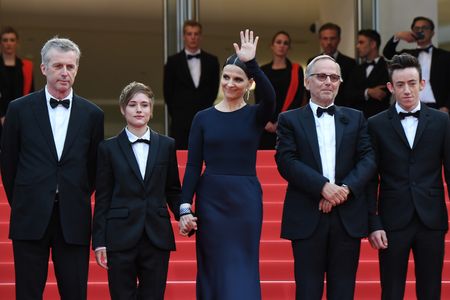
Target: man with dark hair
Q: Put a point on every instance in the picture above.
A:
(435, 62)
(407, 210)
(191, 83)
(16, 74)
(366, 88)
(48, 164)
(329, 38)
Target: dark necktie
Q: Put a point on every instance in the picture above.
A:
(54, 103)
(141, 141)
(330, 110)
(189, 56)
(403, 115)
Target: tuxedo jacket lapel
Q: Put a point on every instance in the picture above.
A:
(340, 121)
(75, 119)
(397, 125)
(422, 124)
(306, 119)
(127, 150)
(39, 106)
(185, 68)
(153, 151)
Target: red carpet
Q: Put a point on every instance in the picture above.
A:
(276, 261)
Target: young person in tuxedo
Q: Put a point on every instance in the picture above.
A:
(191, 83)
(48, 159)
(325, 155)
(137, 179)
(435, 62)
(366, 87)
(407, 198)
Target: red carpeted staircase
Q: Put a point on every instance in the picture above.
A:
(276, 262)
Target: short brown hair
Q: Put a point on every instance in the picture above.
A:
(131, 90)
(191, 23)
(9, 29)
(403, 61)
(330, 26)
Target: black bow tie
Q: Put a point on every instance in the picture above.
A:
(330, 110)
(141, 141)
(54, 103)
(427, 49)
(369, 63)
(189, 56)
(403, 115)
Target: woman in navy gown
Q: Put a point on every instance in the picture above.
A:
(228, 194)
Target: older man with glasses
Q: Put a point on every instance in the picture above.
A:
(324, 153)
(435, 62)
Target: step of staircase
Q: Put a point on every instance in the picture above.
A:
(276, 262)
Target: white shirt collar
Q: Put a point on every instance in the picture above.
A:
(186, 51)
(48, 95)
(132, 138)
(314, 105)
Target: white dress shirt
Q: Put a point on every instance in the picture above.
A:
(326, 136)
(409, 124)
(194, 65)
(368, 71)
(140, 149)
(59, 120)
(426, 95)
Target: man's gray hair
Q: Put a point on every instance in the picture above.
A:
(61, 44)
(311, 64)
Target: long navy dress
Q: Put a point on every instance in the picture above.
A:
(228, 196)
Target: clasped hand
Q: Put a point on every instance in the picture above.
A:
(187, 223)
(332, 195)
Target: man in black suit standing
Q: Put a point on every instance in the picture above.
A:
(324, 153)
(132, 235)
(411, 143)
(48, 159)
(435, 62)
(329, 39)
(191, 83)
(366, 88)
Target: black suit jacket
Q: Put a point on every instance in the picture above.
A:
(298, 161)
(31, 171)
(439, 72)
(347, 64)
(180, 93)
(127, 205)
(358, 82)
(410, 180)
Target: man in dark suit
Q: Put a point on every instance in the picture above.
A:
(48, 159)
(435, 62)
(137, 177)
(366, 88)
(411, 143)
(191, 83)
(329, 38)
(324, 153)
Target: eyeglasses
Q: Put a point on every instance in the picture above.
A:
(279, 42)
(322, 77)
(421, 28)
